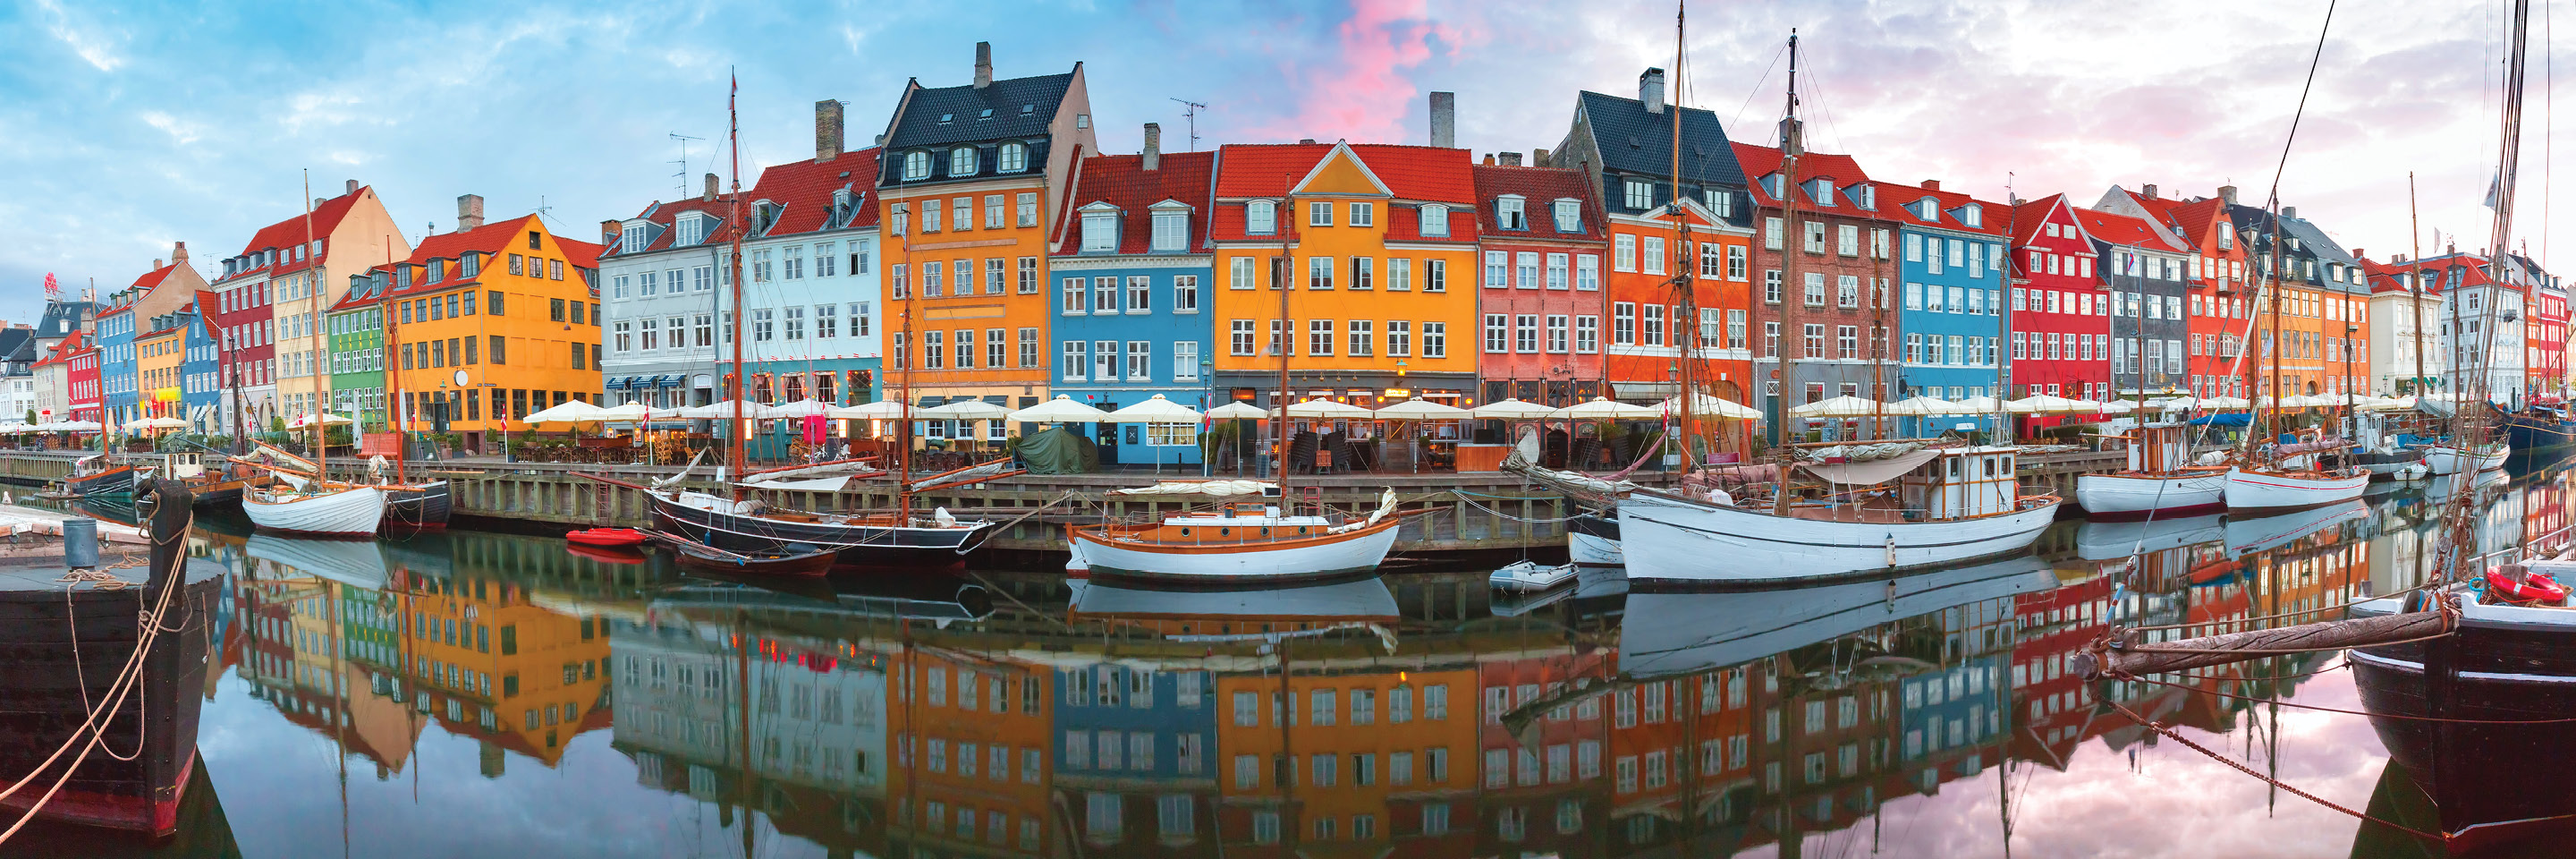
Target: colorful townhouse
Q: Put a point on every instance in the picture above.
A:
(492, 665)
(971, 770)
(670, 265)
(159, 353)
(2405, 347)
(2475, 312)
(1132, 266)
(131, 313)
(2060, 325)
(357, 334)
(201, 380)
(2544, 333)
(1136, 751)
(2289, 276)
(2217, 305)
(1834, 316)
(1539, 286)
(116, 364)
(1625, 146)
(286, 262)
(489, 324)
(82, 397)
(1371, 251)
(2338, 306)
(2142, 271)
(18, 372)
(1541, 794)
(969, 189)
(1952, 315)
(1366, 758)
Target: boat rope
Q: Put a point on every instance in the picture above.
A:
(2321, 708)
(987, 536)
(2301, 612)
(1502, 515)
(2260, 651)
(2239, 766)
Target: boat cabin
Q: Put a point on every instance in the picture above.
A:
(184, 466)
(1961, 483)
(2159, 448)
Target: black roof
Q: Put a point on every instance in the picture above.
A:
(1631, 140)
(64, 317)
(18, 345)
(1020, 108)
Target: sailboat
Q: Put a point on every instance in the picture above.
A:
(751, 527)
(1948, 504)
(96, 475)
(2284, 476)
(308, 504)
(2160, 479)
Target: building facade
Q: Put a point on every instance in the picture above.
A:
(158, 354)
(1825, 284)
(2143, 272)
(1539, 287)
(201, 385)
(490, 324)
(813, 330)
(669, 265)
(1952, 319)
(357, 335)
(2060, 323)
(291, 262)
(1131, 316)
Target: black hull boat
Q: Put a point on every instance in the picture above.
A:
(2539, 429)
(2494, 788)
(859, 539)
(115, 481)
(423, 506)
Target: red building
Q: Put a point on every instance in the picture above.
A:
(80, 377)
(2060, 328)
(1540, 794)
(1539, 296)
(1839, 317)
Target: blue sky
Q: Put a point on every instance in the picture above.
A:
(127, 126)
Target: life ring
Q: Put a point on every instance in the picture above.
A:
(2528, 587)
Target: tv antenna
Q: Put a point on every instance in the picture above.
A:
(1190, 111)
(682, 177)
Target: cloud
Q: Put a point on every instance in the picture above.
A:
(95, 48)
(181, 132)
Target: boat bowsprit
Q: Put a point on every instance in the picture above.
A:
(2459, 459)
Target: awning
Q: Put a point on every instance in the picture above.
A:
(1871, 472)
(1645, 390)
(672, 380)
(617, 382)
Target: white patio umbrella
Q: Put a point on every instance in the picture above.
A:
(1845, 406)
(2225, 403)
(628, 412)
(1419, 409)
(1061, 410)
(572, 411)
(718, 411)
(1512, 409)
(799, 409)
(1328, 410)
(1157, 410)
(964, 410)
(156, 423)
(1709, 404)
(1238, 410)
(77, 426)
(2044, 404)
(876, 411)
(305, 420)
(1924, 407)
(1605, 409)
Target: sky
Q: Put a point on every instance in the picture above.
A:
(125, 127)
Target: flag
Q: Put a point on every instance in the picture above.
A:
(2494, 184)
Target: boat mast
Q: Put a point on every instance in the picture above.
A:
(390, 355)
(1278, 280)
(313, 369)
(2415, 282)
(2277, 281)
(1792, 141)
(733, 427)
(1686, 328)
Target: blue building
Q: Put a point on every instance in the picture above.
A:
(201, 376)
(1951, 322)
(1136, 751)
(1132, 268)
(116, 364)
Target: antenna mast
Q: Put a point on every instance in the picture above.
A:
(1190, 112)
(682, 177)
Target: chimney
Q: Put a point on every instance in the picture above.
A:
(2359, 254)
(2399, 259)
(1509, 159)
(349, 187)
(1489, 159)
(827, 130)
(1538, 157)
(983, 64)
(469, 212)
(2289, 211)
(1309, 141)
(2227, 193)
(1650, 90)
(1444, 119)
(156, 263)
(1153, 145)
(710, 194)
(1931, 184)
(318, 201)
(608, 229)
(179, 254)
(2148, 191)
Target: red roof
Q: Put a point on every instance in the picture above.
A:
(154, 277)
(493, 238)
(1761, 161)
(2123, 230)
(1424, 173)
(2031, 215)
(1541, 187)
(66, 350)
(2383, 278)
(1123, 181)
(293, 231)
(804, 189)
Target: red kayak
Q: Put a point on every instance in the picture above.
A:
(614, 538)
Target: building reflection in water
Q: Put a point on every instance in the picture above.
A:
(1025, 715)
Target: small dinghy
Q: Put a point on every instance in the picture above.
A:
(1527, 576)
(611, 538)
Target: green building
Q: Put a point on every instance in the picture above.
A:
(357, 329)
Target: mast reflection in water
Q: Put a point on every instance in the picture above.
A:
(468, 692)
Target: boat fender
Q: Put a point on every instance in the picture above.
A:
(1891, 550)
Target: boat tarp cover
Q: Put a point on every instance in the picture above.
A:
(1208, 488)
(1055, 451)
(2234, 419)
(1872, 472)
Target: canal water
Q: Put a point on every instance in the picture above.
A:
(472, 694)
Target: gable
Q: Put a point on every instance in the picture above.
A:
(1341, 172)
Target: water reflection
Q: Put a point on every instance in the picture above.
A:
(1023, 714)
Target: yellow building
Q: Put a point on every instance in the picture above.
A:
(968, 184)
(971, 771)
(489, 663)
(1344, 763)
(490, 323)
(1377, 245)
(157, 356)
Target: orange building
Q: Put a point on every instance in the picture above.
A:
(1346, 764)
(490, 323)
(968, 185)
(970, 739)
(489, 663)
(1377, 246)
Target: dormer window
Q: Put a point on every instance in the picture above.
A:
(2226, 236)
(916, 166)
(1508, 214)
(1821, 190)
(1868, 197)
(1569, 216)
(468, 264)
(1771, 185)
(1015, 157)
(634, 239)
(962, 161)
(1261, 216)
(437, 270)
(1171, 227)
(1435, 219)
(1721, 202)
(1639, 194)
(692, 229)
(1928, 209)
(1972, 215)
(1099, 228)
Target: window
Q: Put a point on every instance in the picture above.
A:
(1815, 236)
(1525, 333)
(1847, 291)
(1623, 324)
(1526, 270)
(1435, 275)
(1104, 359)
(1363, 338)
(1399, 338)
(1624, 252)
(1239, 273)
(1260, 216)
(1847, 342)
(1653, 253)
(1639, 194)
(1363, 214)
(1508, 214)
(1654, 324)
(962, 162)
(1569, 216)
(1587, 272)
(1140, 294)
(1319, 337)
(1815, 289)
(1171, 231)
(1815, 340)
(1556, 333)
(1015, 157)
(1319, 272)
(1185, 293)
(1363, 272)
(1497, 269)
(1140, 360)
(916, 165)
(1100, 231)
(1435, 339)
(1847, 240)
(1319, 214)
(1104, 294)
(1240, 337)
(1185, 361)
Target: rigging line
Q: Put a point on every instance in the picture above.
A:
(2170, 734)
(2304, 88)
(1738, 121)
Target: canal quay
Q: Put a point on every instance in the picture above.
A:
(476, 693)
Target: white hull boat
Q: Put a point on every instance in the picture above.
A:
(2453, 459)
(1592, 540)
(2130, 494)
(2246, 536)
(1225, 550)
(1525, 576)
(1667, 634)
(2266, 489)
(355, 511)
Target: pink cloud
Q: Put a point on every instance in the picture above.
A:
(1360, 86)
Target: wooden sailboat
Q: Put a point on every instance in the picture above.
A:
(409, 506)
(1948, 505)
(2160, 479)
(97, 475)
(2284, 477)
(749, 525)
(312, 505)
